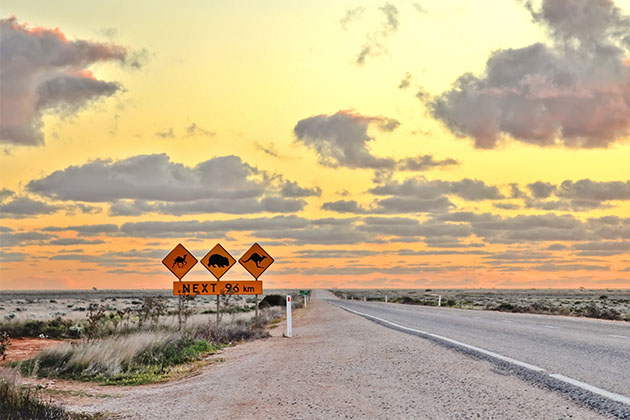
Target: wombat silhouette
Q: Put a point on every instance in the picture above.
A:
(180, 261)
(256, 258)
(218, 260)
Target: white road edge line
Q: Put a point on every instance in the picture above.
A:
(610, 395)
(458, 343)
(591, 388)
(618, 336)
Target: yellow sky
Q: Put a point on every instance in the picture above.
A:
(217, 79)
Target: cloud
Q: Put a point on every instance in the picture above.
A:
(602, 248)
(74, 241)
(41, 71)
(351, 15)
(194, 130)
(541, 189)
(292, 189)
(423, 163)
(7, 257)
(85, 230)
(152, 183)
(21, 207)
(405, 82)
(269, 149)
(11, 239)
(344, 206)
(166, 133)
(585, 189)
(342, 139)
(575, 92)
(468, 189)
(151, 177)
(373, 46)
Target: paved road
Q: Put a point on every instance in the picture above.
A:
(596, 352)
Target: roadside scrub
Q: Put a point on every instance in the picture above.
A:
(19, 402)
(143, 356)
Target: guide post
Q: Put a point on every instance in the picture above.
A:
(289, 321)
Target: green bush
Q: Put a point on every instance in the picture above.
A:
(54, 328)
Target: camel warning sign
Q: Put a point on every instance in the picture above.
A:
(179, 261)
(256, 260)
(218, 261)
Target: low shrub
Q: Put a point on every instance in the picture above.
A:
(24, 403)
(54, 328)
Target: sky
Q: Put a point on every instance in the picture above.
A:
(362, 144)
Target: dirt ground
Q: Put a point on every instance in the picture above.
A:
(336, 366)
(25, 348)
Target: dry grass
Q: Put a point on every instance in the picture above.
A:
(604, 304)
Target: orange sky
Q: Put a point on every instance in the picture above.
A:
(362, 144)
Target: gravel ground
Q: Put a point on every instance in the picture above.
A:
(341, 366)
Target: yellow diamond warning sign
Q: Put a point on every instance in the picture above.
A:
(179, 261)
(256, 260)
(218, 261)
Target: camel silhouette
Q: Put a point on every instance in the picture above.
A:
(180, 261)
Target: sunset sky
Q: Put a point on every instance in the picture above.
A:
(387, 144)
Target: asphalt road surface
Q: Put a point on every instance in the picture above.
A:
(590, 354)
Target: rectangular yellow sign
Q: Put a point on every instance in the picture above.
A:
(236, 287)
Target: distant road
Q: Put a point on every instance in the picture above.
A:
(594, 352)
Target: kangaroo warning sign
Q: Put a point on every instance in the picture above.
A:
(256, 260)
(218, 261)
(179, 261)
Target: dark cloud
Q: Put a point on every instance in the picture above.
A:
(541, 189)
(7, 257)
(74, 241)
(42, 71)
(468, 189)
(345, 206)
(151, 177)
(602, 248)
(269, 149)
(11, 239)
(423, 163)
(341, 139)
(209, 228)
(21, 207)
(575, 92)
(85, 230)
(588, 190)
(291, 189)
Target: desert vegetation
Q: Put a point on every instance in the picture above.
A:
(152, 338)
(20, 402)
(603, 304)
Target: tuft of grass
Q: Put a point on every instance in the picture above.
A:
(24, 403)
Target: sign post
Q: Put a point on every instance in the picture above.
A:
(289, 320)
(218, 261)
(256, 260)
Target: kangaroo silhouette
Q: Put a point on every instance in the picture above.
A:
(218, 260)
(180, 261)
(256, 258)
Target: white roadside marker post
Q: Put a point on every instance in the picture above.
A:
(289, 321)
(385, 298)
(305, 301)
(439, 301)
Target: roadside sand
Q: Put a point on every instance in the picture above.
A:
(338, 365)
